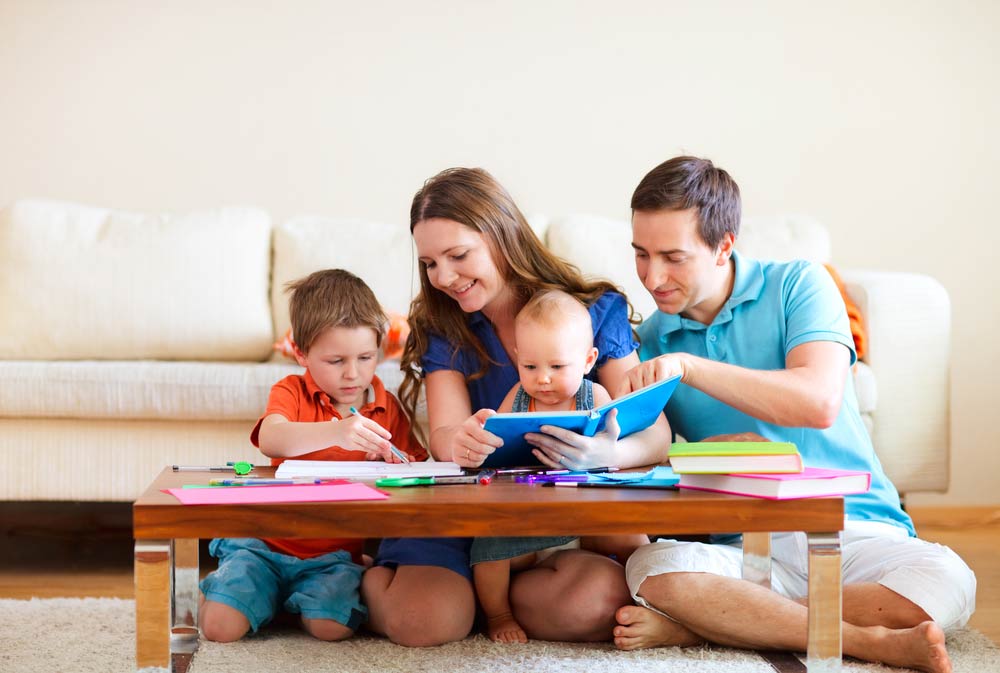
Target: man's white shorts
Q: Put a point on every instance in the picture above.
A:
(930, 575)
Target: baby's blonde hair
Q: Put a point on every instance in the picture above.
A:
(557, 309)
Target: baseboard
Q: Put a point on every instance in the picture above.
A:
(955, 517)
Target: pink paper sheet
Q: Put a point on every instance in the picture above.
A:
(250, 495)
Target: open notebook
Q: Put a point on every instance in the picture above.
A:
(364, 469)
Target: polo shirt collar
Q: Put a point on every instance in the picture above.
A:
(376, 393)
(747, 286)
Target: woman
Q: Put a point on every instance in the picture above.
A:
(480, 262)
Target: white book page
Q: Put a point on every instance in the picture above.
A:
(361, 469)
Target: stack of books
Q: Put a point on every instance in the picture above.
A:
(772, 470)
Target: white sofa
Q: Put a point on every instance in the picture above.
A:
(133, 341)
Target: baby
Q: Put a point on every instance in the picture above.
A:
(554, 340)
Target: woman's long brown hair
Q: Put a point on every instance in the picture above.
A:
(472, 197)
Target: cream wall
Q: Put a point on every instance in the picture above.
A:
(879, 120)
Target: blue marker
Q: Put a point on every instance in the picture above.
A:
(396, 452)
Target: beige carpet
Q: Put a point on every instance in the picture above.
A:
(88, 635)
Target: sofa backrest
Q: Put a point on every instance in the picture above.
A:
(210, 285)
(381, 254)
(601, 247)
(78, 282)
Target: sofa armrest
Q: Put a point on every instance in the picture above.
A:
(908, 318)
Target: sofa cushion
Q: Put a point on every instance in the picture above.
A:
(148, 389)
(865, 387)
(572, 238)
(784, 238)
(380, 254)
(88, 283)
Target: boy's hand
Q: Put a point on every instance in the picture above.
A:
(358, 433)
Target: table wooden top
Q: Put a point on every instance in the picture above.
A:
(502, 508)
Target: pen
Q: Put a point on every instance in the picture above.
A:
(611, 484)
(549, 478)
(395, 451)
(261, 482)
(201, 468)
(484, 478)
(593, 470)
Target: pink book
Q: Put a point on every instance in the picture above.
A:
(249, 495)
(812, 482)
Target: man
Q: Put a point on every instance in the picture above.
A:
(764, 349)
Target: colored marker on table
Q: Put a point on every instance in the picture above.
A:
(262, 482)
(396, 452)
(201, 468)
(484, 478)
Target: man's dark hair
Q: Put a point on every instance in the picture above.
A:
(689, 182)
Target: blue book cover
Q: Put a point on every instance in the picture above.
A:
(636, 411)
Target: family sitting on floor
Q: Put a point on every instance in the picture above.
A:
(500, 323)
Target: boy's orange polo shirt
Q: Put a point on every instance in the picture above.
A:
(299, 399)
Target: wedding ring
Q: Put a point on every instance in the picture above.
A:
(561, 458)
(467, 454)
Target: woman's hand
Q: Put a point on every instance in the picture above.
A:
(471, 444)
(564, 449)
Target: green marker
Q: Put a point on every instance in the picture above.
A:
(484, 477)
(240, 467)
(395, 482)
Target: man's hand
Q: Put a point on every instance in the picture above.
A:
(658, 369)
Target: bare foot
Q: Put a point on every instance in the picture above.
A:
(639, 628)
(505, 629)
(921, 647)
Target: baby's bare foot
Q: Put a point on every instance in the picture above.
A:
(505, 629)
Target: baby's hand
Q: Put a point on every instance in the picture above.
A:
(505, 629)
(357, 433)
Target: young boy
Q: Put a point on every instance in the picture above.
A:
(555, 351)
(338, 327)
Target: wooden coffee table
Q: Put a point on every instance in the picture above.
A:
(167, 533)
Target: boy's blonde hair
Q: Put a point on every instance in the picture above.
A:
(332, 298)
(555, 309)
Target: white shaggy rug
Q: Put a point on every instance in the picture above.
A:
(98, 635)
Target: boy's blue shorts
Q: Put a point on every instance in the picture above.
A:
(257, 581)
(446, 552)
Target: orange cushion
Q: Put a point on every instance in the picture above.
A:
(853, 314)
(392, 345)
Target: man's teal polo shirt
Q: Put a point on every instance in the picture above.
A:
(773, 308)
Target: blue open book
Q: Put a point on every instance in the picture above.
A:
(636, 411)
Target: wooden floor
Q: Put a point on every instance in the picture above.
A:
(50, 550)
